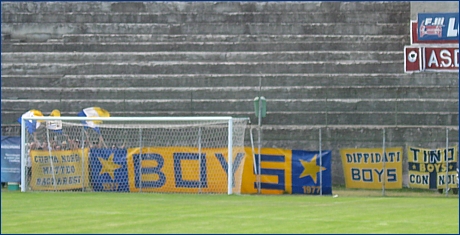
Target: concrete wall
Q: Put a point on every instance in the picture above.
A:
(431, 7)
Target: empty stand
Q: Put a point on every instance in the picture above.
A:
(338, 65)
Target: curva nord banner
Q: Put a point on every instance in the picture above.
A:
(62, 170)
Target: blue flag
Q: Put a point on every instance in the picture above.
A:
(109, 171)
(308, 175)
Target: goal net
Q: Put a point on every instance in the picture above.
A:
(129, 154)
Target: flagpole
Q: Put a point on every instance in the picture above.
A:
(383, 161)
(320, 165)
(51, 159)
(447, 161)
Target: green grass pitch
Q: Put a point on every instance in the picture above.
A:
(54, 212)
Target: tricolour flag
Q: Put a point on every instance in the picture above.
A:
(31, 125)
(93, 112)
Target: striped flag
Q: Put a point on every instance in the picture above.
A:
(93, 112)
(32, 125)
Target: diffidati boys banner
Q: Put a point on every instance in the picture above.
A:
(369, 168)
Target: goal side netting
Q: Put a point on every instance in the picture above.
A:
(156, 154)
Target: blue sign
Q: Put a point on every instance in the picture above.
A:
(437, 26)
(11, 159)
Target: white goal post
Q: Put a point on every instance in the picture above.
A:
(133, 154)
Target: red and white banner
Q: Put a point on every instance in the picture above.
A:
(430, 58)
(439, 54)
(440, 59)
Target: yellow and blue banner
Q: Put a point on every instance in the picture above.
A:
(284, 171)
(428, 169)
(368, 168)
(60, 170)
(181, 169)
(184, 170)
(163, 169)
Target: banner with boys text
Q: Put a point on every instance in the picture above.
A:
(427, 167)
(366, 168)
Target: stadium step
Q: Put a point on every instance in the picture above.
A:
(243, 56)
(363, 136)
(202, 7)
(206, 17)
(346, 66)
(56, 30)
(284, 117)
(229, 80)
(285, 92)
(139, 38)
(236, 104)
(203, 46)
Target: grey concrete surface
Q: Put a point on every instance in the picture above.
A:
(207, 17)
(447, 80)
(217, 7)
(432, 7)
(199, 56)
(39, 31)
(298, 38)
(212, 92)
(203, 68)
(203, 46)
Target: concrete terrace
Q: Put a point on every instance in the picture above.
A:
(338, 66)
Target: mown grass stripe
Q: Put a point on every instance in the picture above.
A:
(351, 212)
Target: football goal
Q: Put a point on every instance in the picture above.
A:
(133, 154)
